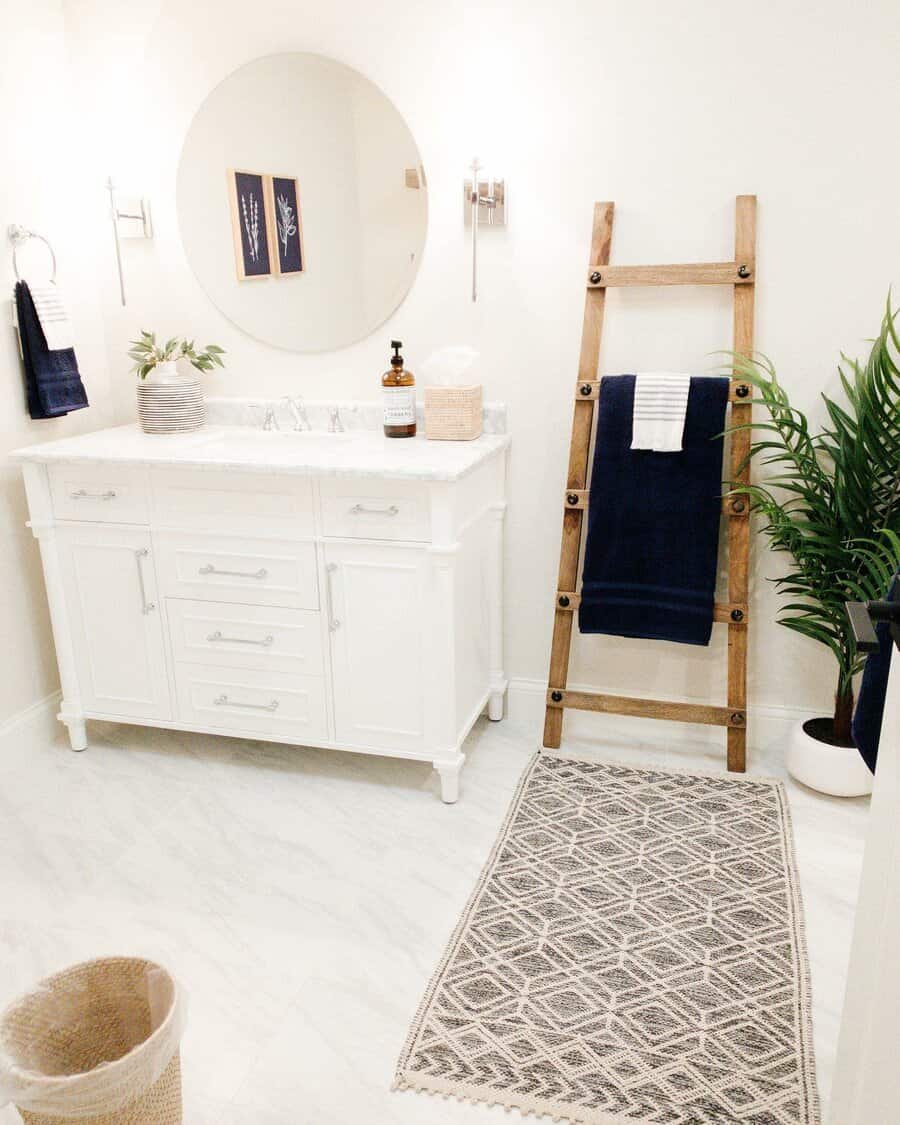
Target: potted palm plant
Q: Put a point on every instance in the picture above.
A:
(169, 402)
(831, 502)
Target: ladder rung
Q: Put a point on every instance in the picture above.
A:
(647, 708)
(691, 273)
(568, 601)
(739, 393)
(737, 506)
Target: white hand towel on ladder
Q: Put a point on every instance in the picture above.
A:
(52, 314)
(660, 405)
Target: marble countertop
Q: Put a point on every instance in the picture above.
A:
(360, 452)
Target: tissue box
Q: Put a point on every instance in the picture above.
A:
(453, 413)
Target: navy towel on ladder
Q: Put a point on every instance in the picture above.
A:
(653, 521)
(52, 380)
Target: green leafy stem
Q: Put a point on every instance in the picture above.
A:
(147, 354)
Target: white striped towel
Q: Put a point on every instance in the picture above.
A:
(53, 315)
(660, 405)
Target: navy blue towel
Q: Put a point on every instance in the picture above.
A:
(653, 521)
(52, 381)
(873, 690)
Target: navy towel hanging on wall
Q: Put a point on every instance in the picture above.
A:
(653, 521)
(52, 381)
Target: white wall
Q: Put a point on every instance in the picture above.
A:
(669, 109)
(45, 186)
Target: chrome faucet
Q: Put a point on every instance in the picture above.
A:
(335, 425)
(270, 422)
(297, 408)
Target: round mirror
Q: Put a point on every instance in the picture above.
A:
(302, 202)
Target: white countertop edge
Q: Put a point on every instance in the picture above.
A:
(66, 450)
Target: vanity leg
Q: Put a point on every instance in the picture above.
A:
(449, 775)
(498, 682)
(40, 508)
(77, 733)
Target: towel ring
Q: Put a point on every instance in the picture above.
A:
(18, 235)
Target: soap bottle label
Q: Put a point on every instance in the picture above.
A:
(399, 406)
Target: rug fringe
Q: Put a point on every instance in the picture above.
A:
(805, 1021)
(525, 1107)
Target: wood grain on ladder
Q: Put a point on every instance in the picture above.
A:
(741, 275)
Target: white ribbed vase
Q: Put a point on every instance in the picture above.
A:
(170, 403)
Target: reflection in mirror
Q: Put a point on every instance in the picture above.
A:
(302, 202)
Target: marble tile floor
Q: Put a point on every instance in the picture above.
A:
(305, 896)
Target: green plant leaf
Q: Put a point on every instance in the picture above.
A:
(830, 499)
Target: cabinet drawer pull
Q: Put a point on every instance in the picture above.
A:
(359, 510)
(224, 701)
(83, 494)
(333, 623)
(217, 637)
(210, 569)
(139, 554)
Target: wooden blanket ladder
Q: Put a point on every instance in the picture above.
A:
(741, 275)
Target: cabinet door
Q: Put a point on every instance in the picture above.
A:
(114, 614)
(376, 609)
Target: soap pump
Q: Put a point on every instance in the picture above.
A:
(398, 389)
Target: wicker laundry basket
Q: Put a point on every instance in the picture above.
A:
(96, 1044)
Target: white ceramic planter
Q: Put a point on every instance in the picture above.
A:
(836, 770)
(170, 403)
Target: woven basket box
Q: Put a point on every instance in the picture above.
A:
(453, 413)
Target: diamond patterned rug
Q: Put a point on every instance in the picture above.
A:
(633, 954)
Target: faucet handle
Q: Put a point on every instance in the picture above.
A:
(297, 407)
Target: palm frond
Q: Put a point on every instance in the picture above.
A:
(831, 499)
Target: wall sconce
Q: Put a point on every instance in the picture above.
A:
(484, 204)
(130, 219)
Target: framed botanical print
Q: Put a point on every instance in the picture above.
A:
(250, 224)
(287, 225)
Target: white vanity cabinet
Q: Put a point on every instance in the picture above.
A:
(353, 610)
(378, 619)
(116, 631)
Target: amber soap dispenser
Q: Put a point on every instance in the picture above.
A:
(398, 389)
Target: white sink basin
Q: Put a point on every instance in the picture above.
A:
(243, 438)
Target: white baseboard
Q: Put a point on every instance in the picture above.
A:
(35, 721)
(768, 726)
